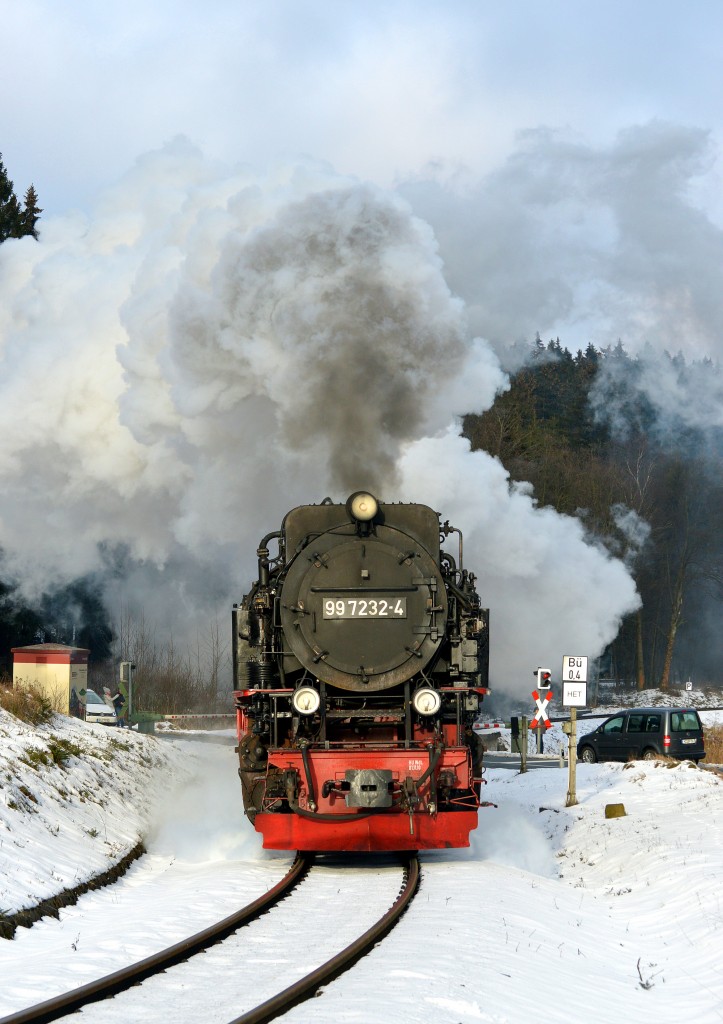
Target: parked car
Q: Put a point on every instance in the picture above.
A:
(96, 709)
(646, 733)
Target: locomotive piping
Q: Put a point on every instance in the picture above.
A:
(269, 536)
(316, 816)
(263, 556)
(434, 755)
(446, 530)
(446, 558)
(459, 595)
(304, 746)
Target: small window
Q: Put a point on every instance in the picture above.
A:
(636, 723)
(653, 723)
(680, 721)
(614, 725)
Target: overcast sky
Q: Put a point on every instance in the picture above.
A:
(380, 90)
(566, 154)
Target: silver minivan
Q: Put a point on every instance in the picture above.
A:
(645, 733)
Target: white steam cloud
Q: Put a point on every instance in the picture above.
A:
(595, 245)
(212, 348)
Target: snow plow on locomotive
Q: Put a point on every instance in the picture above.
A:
(360, 660)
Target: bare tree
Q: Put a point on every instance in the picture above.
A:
(168, 678)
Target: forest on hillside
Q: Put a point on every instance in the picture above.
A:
(597, 442)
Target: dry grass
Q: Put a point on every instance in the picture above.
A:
(713, 744)
(29, 705)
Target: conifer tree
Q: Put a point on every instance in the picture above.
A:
(9, 206)
(16, 221)
(31, 213)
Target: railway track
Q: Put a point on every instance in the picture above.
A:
(291, 995)
(311, 983)
(118, 981)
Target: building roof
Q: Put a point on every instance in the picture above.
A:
(50, 649)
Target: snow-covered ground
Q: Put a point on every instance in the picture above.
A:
(554, 913)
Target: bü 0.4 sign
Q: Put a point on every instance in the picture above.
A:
(574, 669)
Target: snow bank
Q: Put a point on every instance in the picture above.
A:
(75, 799)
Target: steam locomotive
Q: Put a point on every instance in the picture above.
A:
(360, 660)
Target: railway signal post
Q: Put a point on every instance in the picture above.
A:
(542, 699)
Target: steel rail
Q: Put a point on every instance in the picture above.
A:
(111, 984)
(307, 986)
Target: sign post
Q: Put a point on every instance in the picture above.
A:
(126, 679)
(518, 728)
(574, 696)
(523, 744)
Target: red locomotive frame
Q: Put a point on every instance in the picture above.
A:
(320, 820)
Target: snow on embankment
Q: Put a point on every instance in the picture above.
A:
(76, 801)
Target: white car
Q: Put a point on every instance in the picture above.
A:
(96, 709)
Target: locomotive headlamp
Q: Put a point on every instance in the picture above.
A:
(426, 701)
(306, 700)
(362, 506)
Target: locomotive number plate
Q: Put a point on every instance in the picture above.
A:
(365, 608)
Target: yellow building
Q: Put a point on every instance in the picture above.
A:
(58, 671)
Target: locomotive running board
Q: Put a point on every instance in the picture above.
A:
(375, 832)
